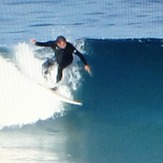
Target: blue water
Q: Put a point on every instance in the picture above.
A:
(121, 120)
(45, 19)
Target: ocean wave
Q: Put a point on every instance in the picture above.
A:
(127, 74)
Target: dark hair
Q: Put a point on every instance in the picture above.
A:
(61, 38)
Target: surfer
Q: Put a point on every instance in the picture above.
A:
(63, 55)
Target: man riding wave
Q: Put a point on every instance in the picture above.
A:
(63, 55)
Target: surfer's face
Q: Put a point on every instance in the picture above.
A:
(62, 44)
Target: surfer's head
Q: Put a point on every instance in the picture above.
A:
(61, 42)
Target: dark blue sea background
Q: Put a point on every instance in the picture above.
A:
(121, 120)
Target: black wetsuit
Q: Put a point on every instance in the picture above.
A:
(63, 57)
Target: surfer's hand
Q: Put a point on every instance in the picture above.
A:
(88, 69)
(33, 41)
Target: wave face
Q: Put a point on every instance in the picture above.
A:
(127, 80)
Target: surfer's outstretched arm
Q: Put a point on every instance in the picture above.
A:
(80, 56)
(45, 44)
(86, 66)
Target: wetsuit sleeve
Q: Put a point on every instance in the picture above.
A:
(80, 56)
(45, 44)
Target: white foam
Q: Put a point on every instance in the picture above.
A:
(22, 100)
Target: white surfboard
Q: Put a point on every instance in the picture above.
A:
(65, 99)
(61, 97)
